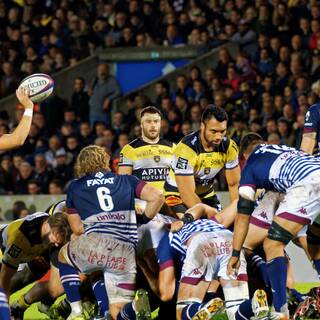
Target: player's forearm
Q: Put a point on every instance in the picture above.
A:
(153, 206)
(233, 192)
(189, 198)
(241, 227)
(198, 210)
(5, 278)
(18, 136)
(308, 142)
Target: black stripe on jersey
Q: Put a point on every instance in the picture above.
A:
(193, 141)
(31, 229)
(136, 143)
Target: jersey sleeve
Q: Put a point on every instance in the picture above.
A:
(311, 120)
(69, 201)
(232, 155)
(184, 160)
(247, 187)
(165, 256)
(126, 156)
(13, 250)
(136, 184)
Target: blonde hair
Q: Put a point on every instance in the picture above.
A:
(316, 88)
(91, 159)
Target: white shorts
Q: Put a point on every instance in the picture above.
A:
(301, 203)
(98, 251)
(151, 233)
(265, 210)
(207, 258)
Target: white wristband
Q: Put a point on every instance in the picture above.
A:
(28, 112)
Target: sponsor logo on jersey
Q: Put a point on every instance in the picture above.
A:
(14, 251)
(99, 175)
(182, 163)
(97, 182)
(206, 170)
(156, 158)
(154, 174)
(111, 216)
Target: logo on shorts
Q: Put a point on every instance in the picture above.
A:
(99, 175)
(156, 158)
(14, 251)
(196, 272)
(182, 163)
(263, 215)
(303, 211)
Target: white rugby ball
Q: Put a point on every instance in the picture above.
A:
(40, 86)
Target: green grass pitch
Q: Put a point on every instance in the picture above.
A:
(33, 314)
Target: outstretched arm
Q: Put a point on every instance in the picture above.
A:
(19, 135)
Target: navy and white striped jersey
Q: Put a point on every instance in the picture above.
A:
(277, 168)
(179, 239)
(105, 203)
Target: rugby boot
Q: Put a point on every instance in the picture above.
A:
(306, 309)
(211, 308)
(141, 305)
(259, 304)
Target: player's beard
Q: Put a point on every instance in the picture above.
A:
(151, 136)
(210, 143)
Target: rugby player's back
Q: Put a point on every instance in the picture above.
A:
(105, 203)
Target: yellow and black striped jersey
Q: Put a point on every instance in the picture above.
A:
(57, 207)
(21, 240)
(190, 159)
(149, 162)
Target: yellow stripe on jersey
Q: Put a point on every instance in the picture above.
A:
(190, 159)
(149, 162)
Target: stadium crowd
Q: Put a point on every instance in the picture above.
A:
(266, 88)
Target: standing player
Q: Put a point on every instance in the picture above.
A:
(197, 160)
(11, 141)
(101, 212)
(149, 157)
(286, 170)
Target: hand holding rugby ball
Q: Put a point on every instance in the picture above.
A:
(39, 85)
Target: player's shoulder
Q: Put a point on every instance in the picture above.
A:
(136, 143)
(165, 143)
(192, 141)
(315, 107)
(227, 145)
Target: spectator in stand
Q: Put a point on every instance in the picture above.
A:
(42, 172)
(18, 208)
(80, 100)
(55, 187)
(86, 135)
(33, 187)
(104, 89)
(24, 177)
(54, 147)
(62, 170)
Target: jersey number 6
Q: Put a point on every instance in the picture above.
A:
(104, 198)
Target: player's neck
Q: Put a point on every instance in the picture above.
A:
(151, 141)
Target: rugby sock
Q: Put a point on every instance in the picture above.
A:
(127, 312)
(100, 293)
(316, 264)
(244, 311)
(190, 310)
(300, 297)
(4, 307)
(258, 265)
(71, 282)
(210, 295)
(277, 272)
